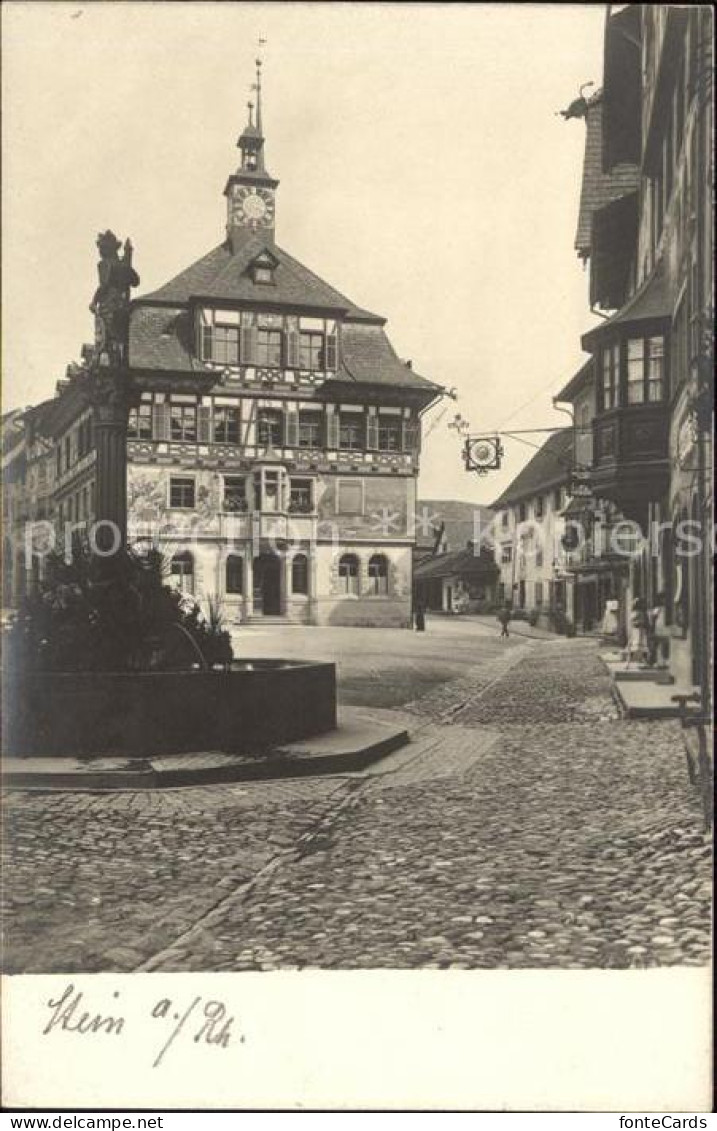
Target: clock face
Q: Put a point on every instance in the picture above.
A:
(254, 207)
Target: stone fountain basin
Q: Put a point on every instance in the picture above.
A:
(256, 704)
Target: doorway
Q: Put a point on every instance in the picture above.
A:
(267, 585)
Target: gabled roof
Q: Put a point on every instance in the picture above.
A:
(461, 562)
(368, 358)
(599, 188)
(161, 337)
(581, 380)
(549, 467)
(222, 274)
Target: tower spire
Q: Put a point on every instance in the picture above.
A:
(257, 87)
(251, 189)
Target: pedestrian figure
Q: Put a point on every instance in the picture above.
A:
(658, 642)
(637, 644)
(504, 621)
(420, 617)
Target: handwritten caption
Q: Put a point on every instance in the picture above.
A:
(203, 1021)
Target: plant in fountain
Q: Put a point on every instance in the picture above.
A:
(118, 614)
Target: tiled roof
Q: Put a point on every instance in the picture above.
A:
(160, 337)
(577, 383)
(461, 562)
(549, 467)
(222, 274)
(652, 300)
(461, 520)
(599, 188)
(368, 358)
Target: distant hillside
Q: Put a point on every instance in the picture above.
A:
(458, 516)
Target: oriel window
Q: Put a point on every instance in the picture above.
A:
(635, 371)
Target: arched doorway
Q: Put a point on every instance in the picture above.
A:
(267, 585)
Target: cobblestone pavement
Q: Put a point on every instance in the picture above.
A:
(525, 826)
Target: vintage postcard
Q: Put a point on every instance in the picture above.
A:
(356, 565)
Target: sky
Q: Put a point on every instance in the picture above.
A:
(424, 173)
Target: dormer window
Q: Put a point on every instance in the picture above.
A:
(263, 269)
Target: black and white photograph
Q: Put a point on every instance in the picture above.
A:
(357, 555)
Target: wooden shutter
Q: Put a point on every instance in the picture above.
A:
(332, 427)
(411, 436)
(372, 432)
(292, 428)
(160, 422)
(206, 342)
(332, 351)
(247, 354)
(204, 422)
(291, 348)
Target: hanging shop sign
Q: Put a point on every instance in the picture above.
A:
(482, 453)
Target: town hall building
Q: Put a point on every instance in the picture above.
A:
(272, 435)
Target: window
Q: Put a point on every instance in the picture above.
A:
(389, 434)
(610, 376)
(635, 371)
(378, 575)
(234, 574)
(181, 493)
(539, 506)
(266, 494)
(263, 274)
(538, 556)
(182, 571)
(350, 497)
(557, 498)
(506, 554)
(349, 574)
(538, 592)
(300, 496)
(183, 422)
(68, 451)
(311, 350)
(505, 518)
(501, 592)
(226, 425)
(226, 345)
(234, 494)
(268, 348)
(140, 422)
(300, 574)
(655, 368)
(522, 512)
(269, 427)
(352, 431)
(310, 429)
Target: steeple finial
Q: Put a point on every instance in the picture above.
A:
(257, 88)
(250, 107)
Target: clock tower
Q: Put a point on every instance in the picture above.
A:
(251, 191)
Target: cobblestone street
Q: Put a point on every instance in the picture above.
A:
(524, 826)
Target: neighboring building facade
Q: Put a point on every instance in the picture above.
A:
(650, 246)
(449, 576)
(529, 528)
(272, 444)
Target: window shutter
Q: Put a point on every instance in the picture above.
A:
(206, 343)
(292, 429)
(332, 427)
(372, 432)
(160, 422)
(332, 351)
(411, 436)
(248, 345)
(291, 344)
(204, 418)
